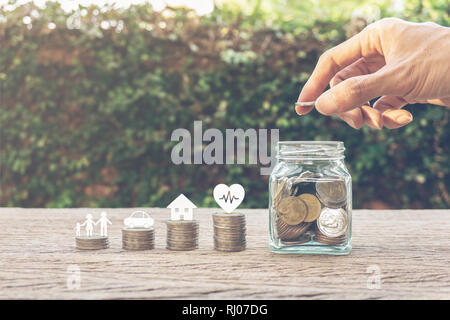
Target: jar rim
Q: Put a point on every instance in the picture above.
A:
(288, 142)
(310, 150)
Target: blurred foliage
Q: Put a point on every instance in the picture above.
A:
(90, 98)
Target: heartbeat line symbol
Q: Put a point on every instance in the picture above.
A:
(228, 197)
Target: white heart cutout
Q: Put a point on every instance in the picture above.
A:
(229, 198)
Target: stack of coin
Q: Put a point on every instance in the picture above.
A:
(229, 231)
(91, 243)
(319, 237)
(288, 232)
(303, 239)
(138, 238)
(182, 235)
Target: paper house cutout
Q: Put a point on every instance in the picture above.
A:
(181, 208)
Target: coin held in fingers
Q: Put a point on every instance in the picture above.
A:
(306, 104)
(304, 107)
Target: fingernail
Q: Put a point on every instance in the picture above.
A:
(349, 121)
(372, 117)
(403, 119)
(326, 104)
(374, 125)
(399, 116)
(298, 110)
(303, 109)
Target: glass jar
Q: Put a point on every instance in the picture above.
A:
(310, 199)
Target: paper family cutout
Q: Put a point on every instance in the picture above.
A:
(89, 224)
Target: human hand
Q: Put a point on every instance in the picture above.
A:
(399, 61)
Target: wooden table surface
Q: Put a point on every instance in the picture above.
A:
(409, 249)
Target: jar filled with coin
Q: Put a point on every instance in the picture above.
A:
(310, 199)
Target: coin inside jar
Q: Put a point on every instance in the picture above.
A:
(313, 205)
(331, 193)
(330, 241)
(319, 237)
(304, 183)
(292, 210)
(279, 189)
(301, 240)
(332, 222)
(289, 232)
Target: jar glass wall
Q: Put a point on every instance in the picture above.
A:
(310, 202)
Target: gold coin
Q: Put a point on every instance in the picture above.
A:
(292, 210)
(313, 205)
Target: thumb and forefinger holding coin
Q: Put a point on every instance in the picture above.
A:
(357, 73)
(364, 114)
(329, 64)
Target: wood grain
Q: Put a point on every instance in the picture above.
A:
(411, 248)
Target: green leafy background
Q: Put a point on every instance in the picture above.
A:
(87, 111)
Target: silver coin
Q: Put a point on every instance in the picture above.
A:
(91, 238)
(332, 193)
(229, 225)
(227, 215)
(128, 247)
(185, 226)
(229, 242)
(92, 247)
(332, 222)
(137, 230)
(229, 234)
(182, 224)
(137, 234)
(181, 249)
(230, 249)
(230, 229)
(230, 219)
(279, 191)
(128, 243)
(137, 242)
(182, 244)
(182, 234)
(175, 246)
(183, 241)
(132, 236)
(92, 241)
(309, 175)
(174, 231)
